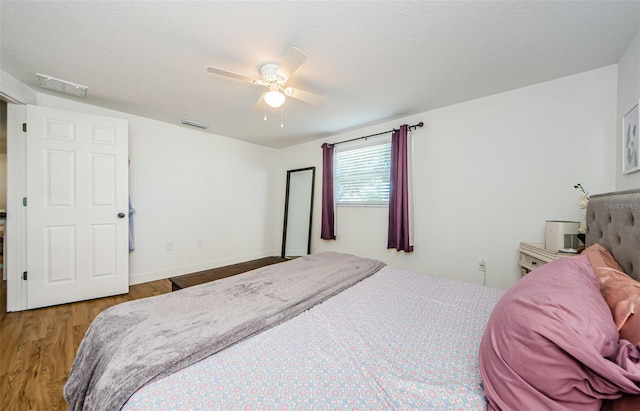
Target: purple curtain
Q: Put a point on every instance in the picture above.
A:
(399, 207)
(328, 207)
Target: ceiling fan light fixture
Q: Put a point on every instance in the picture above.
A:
(274, 98)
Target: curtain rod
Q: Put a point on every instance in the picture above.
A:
(420, 124)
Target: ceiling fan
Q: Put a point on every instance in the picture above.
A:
(274, 78)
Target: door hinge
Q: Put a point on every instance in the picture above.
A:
(24, 127)
(24, 201)
(24, 275)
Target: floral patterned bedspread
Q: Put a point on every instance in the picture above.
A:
(396, 340)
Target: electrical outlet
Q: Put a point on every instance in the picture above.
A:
(169, 246)
(482, 264)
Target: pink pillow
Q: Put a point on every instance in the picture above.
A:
(630, 331)
(621, 292)
(556, 319)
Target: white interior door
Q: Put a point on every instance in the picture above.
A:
(77, 206)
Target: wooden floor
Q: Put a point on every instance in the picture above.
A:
(37, 347)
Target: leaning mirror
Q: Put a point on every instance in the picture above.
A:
(298, 210)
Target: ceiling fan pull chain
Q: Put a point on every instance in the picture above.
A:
(265, 110)
(282, 116)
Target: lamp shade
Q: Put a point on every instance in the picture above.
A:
(274, 97)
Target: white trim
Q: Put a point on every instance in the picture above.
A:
(15, 226)
(8, 98)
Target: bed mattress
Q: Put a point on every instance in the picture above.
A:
(396, 340)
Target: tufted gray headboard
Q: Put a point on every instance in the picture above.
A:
(613, 220)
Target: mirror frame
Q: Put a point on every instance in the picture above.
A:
(286, 208)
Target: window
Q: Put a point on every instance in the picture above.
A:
(361, 175)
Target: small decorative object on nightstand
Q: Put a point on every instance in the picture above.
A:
(534, 255)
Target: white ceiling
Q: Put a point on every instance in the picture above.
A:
(373, 61)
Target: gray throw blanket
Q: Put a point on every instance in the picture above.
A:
(134, 343)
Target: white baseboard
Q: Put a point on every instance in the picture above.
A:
(139, 278)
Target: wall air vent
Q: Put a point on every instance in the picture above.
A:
(62, 86)
(194, 124)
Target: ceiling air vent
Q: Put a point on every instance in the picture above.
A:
(194, 124)
(62, 86)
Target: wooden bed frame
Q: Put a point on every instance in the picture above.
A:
(201, 277)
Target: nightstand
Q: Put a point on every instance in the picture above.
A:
(534, 255)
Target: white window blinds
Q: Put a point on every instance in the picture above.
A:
(362, 175)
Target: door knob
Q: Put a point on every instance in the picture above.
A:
(120, 215)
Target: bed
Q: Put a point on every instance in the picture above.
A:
(567, 336)
(385, 339)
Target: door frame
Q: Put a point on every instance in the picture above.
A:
(16, 223)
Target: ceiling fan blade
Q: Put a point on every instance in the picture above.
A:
(305, 96)
(292, 60)
(231, 74)
(259, 107)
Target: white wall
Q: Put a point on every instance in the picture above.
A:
(487, 174)
(207, 195)
(628, 95)
(16, 91)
